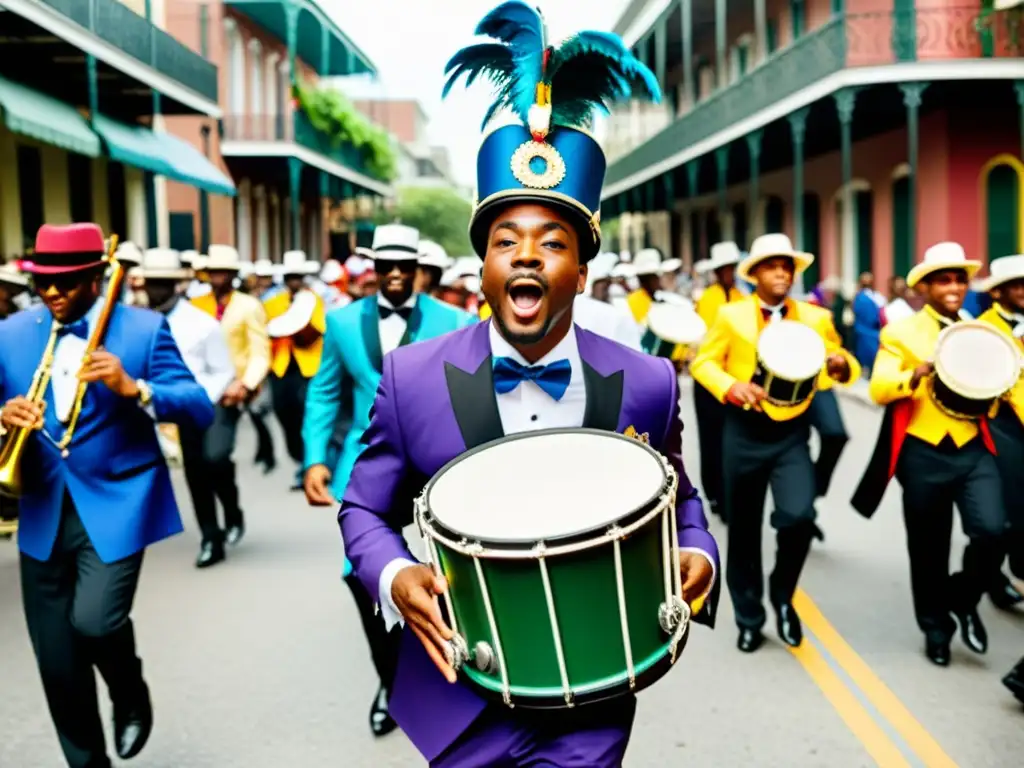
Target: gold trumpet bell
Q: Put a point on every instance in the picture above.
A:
(10, 464)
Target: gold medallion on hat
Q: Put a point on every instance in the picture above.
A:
(537, 165)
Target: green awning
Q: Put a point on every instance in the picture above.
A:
(46, 119)
(162, 154)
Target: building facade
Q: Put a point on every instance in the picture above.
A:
(894, 124)
(293, 176)
(86, 90)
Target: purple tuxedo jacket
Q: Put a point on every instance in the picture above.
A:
(436, 401)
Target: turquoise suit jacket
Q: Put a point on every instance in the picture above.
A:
(352, 358)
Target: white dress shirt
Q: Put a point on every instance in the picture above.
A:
(202, 347)
(392, 328)
(612, 322)
(526, 408)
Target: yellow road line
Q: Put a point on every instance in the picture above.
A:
(875, 740)
(875, 691)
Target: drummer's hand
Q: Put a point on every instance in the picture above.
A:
(315, 484)
(745, 394)
(414, 592)
(838, 367)
(697, 573)
(924, 369)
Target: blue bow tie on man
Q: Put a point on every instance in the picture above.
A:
(79, 328)
(553, 378)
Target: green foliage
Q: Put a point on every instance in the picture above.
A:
(333, 115)
(438, 213)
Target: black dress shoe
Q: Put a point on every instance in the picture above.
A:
(234, 533)
(818, 533)
(1005, 596)
(210, 554)
(788, 625)
(133, 722)
(750, 640)
(1015, 681)
(937, 652)
(380, 719)
(972, 631)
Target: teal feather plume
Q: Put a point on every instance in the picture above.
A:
(588, 72)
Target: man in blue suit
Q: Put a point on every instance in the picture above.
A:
(356, 340)
(96, 490)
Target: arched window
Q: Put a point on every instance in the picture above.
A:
(1002, 189)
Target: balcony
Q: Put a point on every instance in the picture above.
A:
(106, 28)
(844, 42)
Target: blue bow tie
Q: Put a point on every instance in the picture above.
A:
(553, 378)
(79, 328)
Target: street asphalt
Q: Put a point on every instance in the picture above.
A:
(260, 662)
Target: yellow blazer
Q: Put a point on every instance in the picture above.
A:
(640, 303)
(245, 329)
(282, 350)
(485, 311)
(713, 299)
(729, 351)
(1015, 397)
(904, 345)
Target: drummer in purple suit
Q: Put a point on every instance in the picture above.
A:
(528, 368)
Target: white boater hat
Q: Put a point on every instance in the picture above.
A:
(647, 262)
(433, 255)
(768, 247)
(263, 268)
(162, 264)
(219, 258)
(128, 253)
(939, 257)
(188, 257)
(671, 265)
(296, 318)
(1003, 270)
(11, 275)
(724, 254)
(297, 263)
(396, 242)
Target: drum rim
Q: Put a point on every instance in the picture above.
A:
(958, 328)
(432, 526)
(787, 323)
(674, 339)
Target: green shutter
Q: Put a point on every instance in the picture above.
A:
(902, 258)
(812, 238)
(774, 213)
(797, 10)
(772, 35)
(740, 235)
(1002, 189)
(863, 205)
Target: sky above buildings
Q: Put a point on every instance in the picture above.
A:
(411, 40)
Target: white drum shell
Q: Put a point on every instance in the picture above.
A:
(976, 360)
(676, 323)
(791, 350)
(545, 486)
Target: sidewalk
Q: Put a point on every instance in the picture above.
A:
(858, 392)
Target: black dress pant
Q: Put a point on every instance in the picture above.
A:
(710, 418)
(1008, 434)
(77, 609)
(759, 453)
(827, 421)
(288, 393)
(934, 478)
(384, 645)
(210, 472)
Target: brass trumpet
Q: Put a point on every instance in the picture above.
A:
(17, 439)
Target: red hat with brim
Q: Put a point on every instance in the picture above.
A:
(69, 248)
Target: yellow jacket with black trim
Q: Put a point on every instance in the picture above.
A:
(729, 351)
(244, 324)
(713, 299)
(1015, 397)
(283, 349)
(903, 346)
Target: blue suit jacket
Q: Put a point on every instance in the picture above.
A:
(114, 471)
(352, 358)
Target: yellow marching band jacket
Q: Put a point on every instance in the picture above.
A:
(284, 349)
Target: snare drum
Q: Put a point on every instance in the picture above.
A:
(669, 325)
(790, 356)
(562, 590)
(975, 365)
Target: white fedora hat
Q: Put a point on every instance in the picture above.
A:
(1003, 270)
(187, 257)
(647, 262)
(11, 275)
(128, 253)
(396, 242)
(297, 317)
(768, 247)
(297, 263)
(939, 257)
(624, 269)
(220, 258)
(671, 265)
(724, 254)
(263, 268)
(433, 255)
(162, 264)
(332, 271)
(601, 267)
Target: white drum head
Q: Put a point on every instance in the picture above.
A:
(677, 323)
(791, 350)
(545, 485)
(976, 360)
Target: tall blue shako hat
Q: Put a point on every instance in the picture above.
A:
(548, 156)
